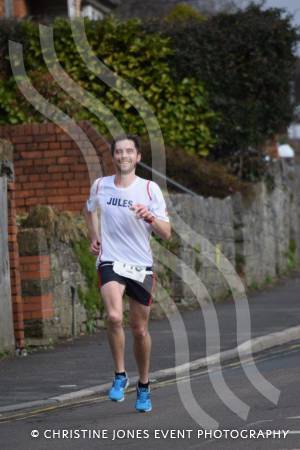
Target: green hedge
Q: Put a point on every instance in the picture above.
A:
(139, 57)
(246, 61)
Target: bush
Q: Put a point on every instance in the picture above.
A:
(246, 63)
(182, 12)
(205, 178)
(89, 297)
(139, 57)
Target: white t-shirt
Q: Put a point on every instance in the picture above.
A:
(124, 237)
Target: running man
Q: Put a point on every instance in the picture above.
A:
(130, 208)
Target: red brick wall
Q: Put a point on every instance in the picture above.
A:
(36, 267)
(15, 279)
(20, 8)
(50, 167)
(2, 12)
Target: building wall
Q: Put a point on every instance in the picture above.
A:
(53, 169)
(19, 8)
(44, 9)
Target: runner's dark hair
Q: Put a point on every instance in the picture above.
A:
(132, 137)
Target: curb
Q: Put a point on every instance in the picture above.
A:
(243, 350)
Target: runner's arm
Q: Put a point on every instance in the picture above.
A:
(157, 215)
(92, 222)
(161, 228)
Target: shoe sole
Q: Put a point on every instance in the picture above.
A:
(143, 410)
(123, 398)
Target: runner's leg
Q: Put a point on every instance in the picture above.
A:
(138, 320)
(112, 294)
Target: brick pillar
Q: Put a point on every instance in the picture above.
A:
(2, 11)
(7, 340)
(15, 268)
(35, 280)
(20, 8)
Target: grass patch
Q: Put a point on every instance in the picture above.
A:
(90, 298)
(4, 354)
(240, 263)
(292, 255)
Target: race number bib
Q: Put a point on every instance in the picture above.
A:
(136, 273)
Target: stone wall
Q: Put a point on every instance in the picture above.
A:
(212, 220)
(297, 208)
(258, 232)
(50, 277)
(255, 232)
(266, 226)
(69, 315)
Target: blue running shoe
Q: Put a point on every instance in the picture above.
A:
(117, 391)
(143, 400)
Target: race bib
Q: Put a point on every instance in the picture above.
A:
(136, 273)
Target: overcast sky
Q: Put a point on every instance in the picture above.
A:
(292, 6)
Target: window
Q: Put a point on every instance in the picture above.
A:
(91, 12)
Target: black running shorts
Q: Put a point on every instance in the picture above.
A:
(141, 292)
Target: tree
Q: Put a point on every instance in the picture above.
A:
(149, 9)
(246, 61)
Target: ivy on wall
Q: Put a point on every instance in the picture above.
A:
(135, 55)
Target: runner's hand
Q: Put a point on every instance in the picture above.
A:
(141, 212)
(95, 247)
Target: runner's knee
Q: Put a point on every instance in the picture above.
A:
(114, 319)
(139, 330)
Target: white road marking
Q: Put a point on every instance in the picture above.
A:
(68, 385)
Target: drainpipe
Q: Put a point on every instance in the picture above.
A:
(73, 8)
(73, 299)
(8, 8)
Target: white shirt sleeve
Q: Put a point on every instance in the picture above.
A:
(93, 201)
(158, 205)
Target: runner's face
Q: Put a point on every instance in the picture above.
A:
(126, 156)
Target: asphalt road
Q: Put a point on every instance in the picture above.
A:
(101, 424)
(86, 361)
